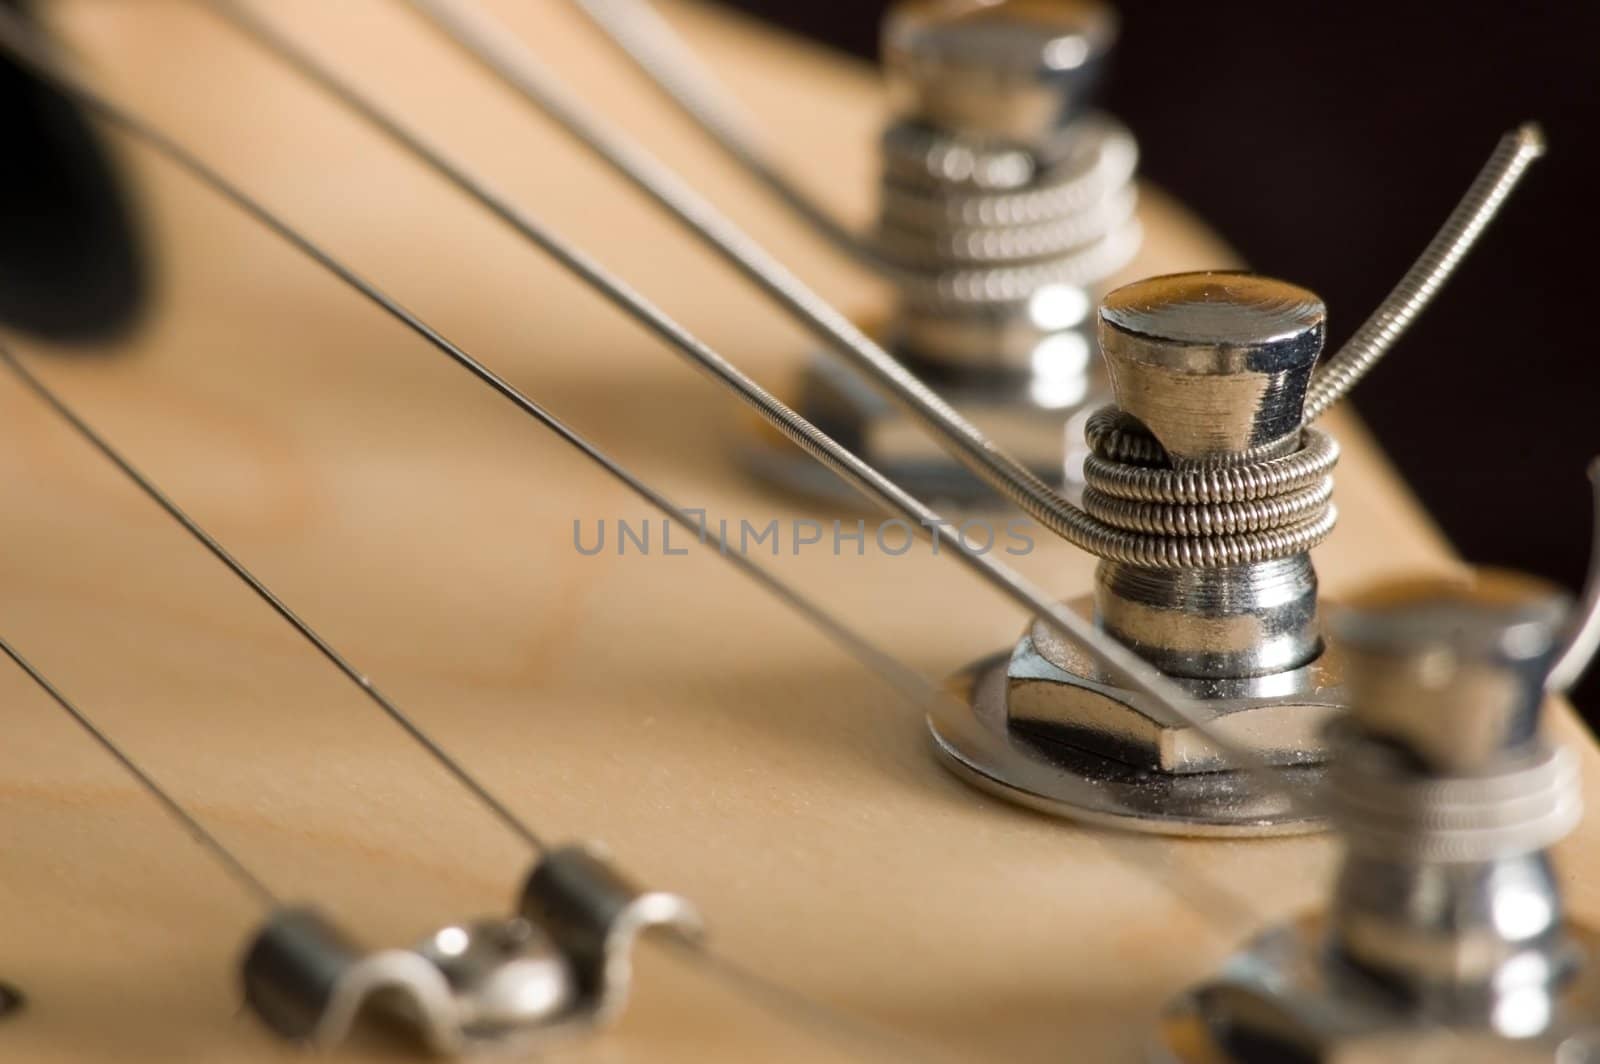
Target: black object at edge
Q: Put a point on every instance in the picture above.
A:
(71, 267)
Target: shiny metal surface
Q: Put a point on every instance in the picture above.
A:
(310, 983)
(1004, 204)
(1209, 371)
(1012, 70)
(1453, 673)
(1205, 496)
(636, 28)
(1214, 365)
(20, 42)
(1054, 693)
(560, 967)
(1283, 999)
(594, 915)
(1582, 639)
(1447, 794)
(1446, 936)
(1226, 622)
(975, 741)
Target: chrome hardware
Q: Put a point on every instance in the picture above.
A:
(1005, 203)
(1204, 494)
(1445, 937)
(1212, 370)
(1202, 514)
(560, 966)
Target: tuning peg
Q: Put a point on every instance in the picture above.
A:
(1452, 672)
(1207, 495)
(1005, 203)
(1214, 365)
(1445, 936)
(1018, 71)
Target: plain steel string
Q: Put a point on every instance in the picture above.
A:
(646, 38)
(1169, 698)
(640, 33)
(774, 994)
(912, 685)
(24, 44)
(1337, 374)
(1219, 906)
(235, 868)
(300, 625)
(947, 427)
(918, 690)
(1223, 907)
(12, 37)
(965, 442)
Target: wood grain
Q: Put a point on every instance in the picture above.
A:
(657, 703)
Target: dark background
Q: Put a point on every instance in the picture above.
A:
(1327, 142)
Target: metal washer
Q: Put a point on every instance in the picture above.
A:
(972, 738)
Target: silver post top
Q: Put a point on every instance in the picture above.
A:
(1214, 364)
(1010, 70)
(1452, 671)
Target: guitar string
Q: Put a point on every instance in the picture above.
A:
(894, 672)
(921, 691)
(363, 682)
(655, 47)
(807, 1012)
(641, 34)
(944, 424)
(1169, 698)
(773, 995)
(235, 867)
(1219, 905)
(193, 826)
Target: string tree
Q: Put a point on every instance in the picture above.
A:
(559, 966)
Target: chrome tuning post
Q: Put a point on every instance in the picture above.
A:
(559, 967)
(1006, 201)
(1445, 938)
(1205, 495)
(1205, 488)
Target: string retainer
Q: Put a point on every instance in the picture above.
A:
(558, 967)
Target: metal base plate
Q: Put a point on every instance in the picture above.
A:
(973, 739)
(1277, 1000)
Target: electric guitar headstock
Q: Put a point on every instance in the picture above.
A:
(616, 536)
